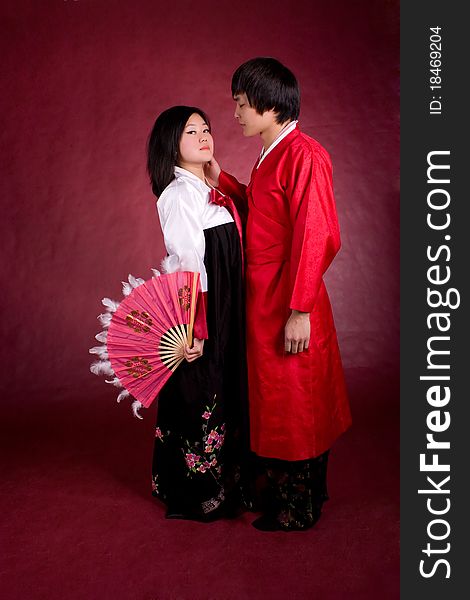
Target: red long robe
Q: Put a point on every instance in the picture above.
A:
(298, 402)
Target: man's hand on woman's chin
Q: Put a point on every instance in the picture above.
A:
(212, 172)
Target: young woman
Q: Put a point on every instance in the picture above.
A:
(201, 437)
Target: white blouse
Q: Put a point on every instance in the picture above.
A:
(185, 211)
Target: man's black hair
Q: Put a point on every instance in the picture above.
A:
(268, 84)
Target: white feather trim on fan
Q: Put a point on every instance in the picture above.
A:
(171, 264)
(105, 319)
(135, 281)
(116, 382)
(126, 288)
(102, 367)
(136, 406)
(156, 272)
(101, 351)
(122, 395)
(102, 336)
(131, 283)
(111, 305)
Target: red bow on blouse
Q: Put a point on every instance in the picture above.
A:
(220, 199)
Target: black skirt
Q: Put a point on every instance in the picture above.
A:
(201, 439)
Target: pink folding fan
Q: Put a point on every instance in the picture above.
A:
(146, 333)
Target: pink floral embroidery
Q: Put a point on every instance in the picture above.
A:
(192, 459)
(155, 484)
(211, 442)
(213, 436)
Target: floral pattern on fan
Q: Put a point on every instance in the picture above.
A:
(184, 297)
(140, 322)
(138, 367)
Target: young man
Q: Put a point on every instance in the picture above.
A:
(297, 394)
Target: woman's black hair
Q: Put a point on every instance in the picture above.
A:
(164, 142)
(268, 85)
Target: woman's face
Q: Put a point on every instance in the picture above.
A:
(196, 144)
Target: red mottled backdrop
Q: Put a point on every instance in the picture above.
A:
(82, 82)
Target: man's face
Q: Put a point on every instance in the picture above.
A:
(251, 122)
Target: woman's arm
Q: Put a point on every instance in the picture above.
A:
(180, 211)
